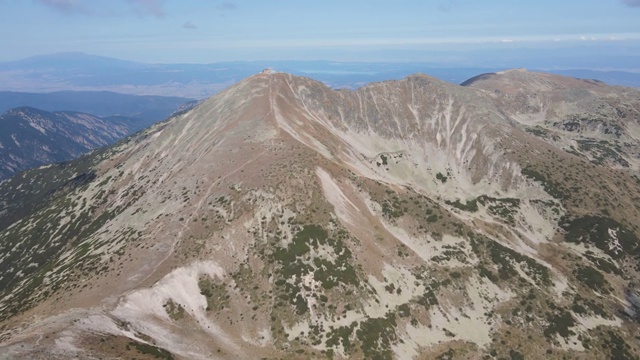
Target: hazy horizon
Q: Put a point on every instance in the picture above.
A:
(599, 35)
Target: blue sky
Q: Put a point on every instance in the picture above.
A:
(199, 31)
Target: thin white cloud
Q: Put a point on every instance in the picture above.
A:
(189, 25)
(142, 8)
(400, 42)
(65, 6)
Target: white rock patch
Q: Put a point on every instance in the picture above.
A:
(344, 208)
(144, 312)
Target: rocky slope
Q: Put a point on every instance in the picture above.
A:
(283, 219)
(585, 117)
(30, 137)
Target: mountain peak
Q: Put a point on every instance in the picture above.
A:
(280, 218)
(76, 60)
(509, 71)
(23, 109)
(525, 80)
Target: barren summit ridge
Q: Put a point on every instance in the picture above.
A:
(283, 219)
(584, 117)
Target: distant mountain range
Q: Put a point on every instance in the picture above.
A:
(148, 109)
(78, 71)
(31, 137)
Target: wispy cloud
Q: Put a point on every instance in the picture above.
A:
(226, 5)
(420, 41)
(66, 6)
(142, 8)
(632, 3)
(189, 25)
(153, 8)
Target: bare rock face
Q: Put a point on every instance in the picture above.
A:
(282, 219)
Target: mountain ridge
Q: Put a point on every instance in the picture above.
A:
(203, 80)
(406, 219)
(98, 103)
(574, 114)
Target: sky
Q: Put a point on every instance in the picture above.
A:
(207, 31)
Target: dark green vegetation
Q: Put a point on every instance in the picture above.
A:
(295, 261)
(323, 254)
(447, 355)
(516, 355)
(593, 279)
(396, 204)
(384, 160)
(432, 218)
(603, 151)
(605, 265)
(156, 352)
(587, 306)
(470, 205)
(33, 190)
(373, 337)
(393, 206)
(377, 336)
(559, 323)
(601, 232)
(43, 194)
(540, 132)
(504, 208)
(54, 221)
(29, 260)
(506, 260)
(215, 292)
(428, 298)
(175, 311)
(618, 348)
(551, 187)
(581, 122)
(538, 313)
(342, 336)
